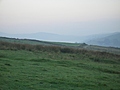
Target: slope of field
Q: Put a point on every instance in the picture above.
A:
(36, 67)
(63, 44)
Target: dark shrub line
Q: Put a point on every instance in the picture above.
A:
(53, 48)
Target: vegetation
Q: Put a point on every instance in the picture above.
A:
(29, 42)
(51, 67)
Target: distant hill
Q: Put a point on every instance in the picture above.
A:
(112, 40)
(45, 36)
(54, 37)
(109, 39)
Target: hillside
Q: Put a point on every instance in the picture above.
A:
(47, 67)
(62, 44)
(111, 40)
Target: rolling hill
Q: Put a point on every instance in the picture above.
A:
(112, 40)
(30, 65)
(45, 37)
(54, 37)
(62, 44)
(109, 39)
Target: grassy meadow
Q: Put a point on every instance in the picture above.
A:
(39, 67)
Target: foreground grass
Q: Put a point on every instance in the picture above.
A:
(38, 70)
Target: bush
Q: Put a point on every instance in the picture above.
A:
(67, 50)
(56, 49)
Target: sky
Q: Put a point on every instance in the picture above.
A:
(65, 17)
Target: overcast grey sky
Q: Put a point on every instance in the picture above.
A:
(69, 17)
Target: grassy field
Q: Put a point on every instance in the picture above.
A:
(55, 68)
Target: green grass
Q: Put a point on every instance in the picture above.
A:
(43, 70)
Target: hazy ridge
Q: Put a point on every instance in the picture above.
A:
(109, 40)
